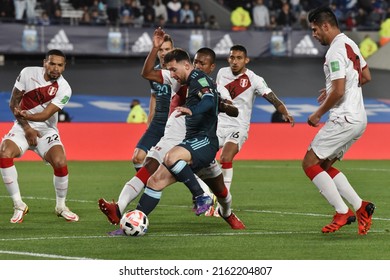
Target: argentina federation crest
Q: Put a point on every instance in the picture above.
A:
(115, 42)
(30, 39)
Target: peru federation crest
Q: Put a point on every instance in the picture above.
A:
(244, 83)
(52, 91)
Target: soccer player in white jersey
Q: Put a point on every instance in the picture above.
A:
(345, 72)
(242, 86)
(38, 94)
(174, 133)
(131, 189)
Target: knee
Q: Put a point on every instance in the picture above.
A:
(309, 160)
(226, 158)
(138, 156)
(304, 165)
(170, 159)
(137, 160)
(58, 162)
(9, 150)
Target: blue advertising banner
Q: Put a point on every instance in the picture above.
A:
(89, 108)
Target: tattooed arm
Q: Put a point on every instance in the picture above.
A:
(30, 133)
(14, 102)
(279, 106)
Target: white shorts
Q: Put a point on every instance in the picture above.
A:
(175, 131)
(336, 137)
(49, 138)
(212, 171)
(233, 134)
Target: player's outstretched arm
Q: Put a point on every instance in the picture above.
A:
(148, 72)
(280, 107)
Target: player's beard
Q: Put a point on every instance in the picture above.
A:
(53, 77)
(236, 71)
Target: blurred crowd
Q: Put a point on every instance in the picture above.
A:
(136, 13)
(245, 14)
(274, 14)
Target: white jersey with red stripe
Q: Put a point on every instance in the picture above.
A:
(242, 91)
(167, 79)
(344, 60)
(39, 93)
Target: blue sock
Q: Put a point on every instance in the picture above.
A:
(183, 173)
(149, 200)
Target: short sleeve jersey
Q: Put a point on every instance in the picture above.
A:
(175, 87)
(344, 60)
(39, 93)
(163, 93)
(242, 91)
(199, 85)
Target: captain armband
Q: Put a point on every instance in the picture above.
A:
(204, 91)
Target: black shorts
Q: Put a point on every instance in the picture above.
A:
(202, 150)
(151, 137)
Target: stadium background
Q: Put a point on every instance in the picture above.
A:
(104, 85)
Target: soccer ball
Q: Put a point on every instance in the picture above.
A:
(134, 223)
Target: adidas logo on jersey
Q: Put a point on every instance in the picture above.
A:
(305, 46)
(143, 44)
(223, 46)
(60, 41)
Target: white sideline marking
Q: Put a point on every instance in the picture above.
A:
(303, 214)
(185, 206)
(159, 235)
(50, 256)
(299, 167)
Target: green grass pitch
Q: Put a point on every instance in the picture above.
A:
(282, 209)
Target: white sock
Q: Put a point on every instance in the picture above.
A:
(129, 192)
(328, 189)
(10, 179)
(227, 176)
(138, 166)
(347, 191)
(61, 188)
(225, 205)
(204, 187)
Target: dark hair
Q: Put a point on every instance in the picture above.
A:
(321, 15)
(209, 52)
(55, 52)
(178, 55)
(168, 38)
(239, 48)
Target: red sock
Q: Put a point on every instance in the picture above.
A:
(143, 174)
(226, 165)
(61, 171)
(333, 172)
(313, 171)
(6, 162)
